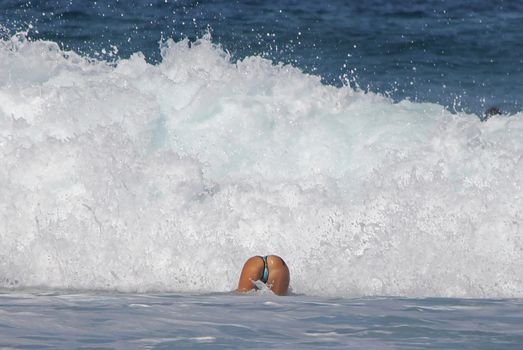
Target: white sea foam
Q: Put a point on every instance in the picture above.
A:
(140, 177)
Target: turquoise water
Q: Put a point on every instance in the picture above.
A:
(222, 321)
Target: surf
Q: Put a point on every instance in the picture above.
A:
(131, 176)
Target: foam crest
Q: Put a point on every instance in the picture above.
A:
(140, 177)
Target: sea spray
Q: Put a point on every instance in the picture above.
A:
(138, 177)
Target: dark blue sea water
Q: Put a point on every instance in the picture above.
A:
(465, 55)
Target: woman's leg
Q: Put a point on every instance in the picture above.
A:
(252, 271)
(279, 277)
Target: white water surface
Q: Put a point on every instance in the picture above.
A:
(127, 176)
(257, 321)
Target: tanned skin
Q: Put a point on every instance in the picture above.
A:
(278, 280)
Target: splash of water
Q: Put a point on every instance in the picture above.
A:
(140, 177)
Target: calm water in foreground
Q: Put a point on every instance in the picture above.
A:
(173, 321)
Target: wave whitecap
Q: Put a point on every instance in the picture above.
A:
(137, 177)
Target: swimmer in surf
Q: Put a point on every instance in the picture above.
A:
(270, 269)
(492, 111)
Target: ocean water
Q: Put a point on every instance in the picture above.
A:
(172, 321)
(148, 148)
